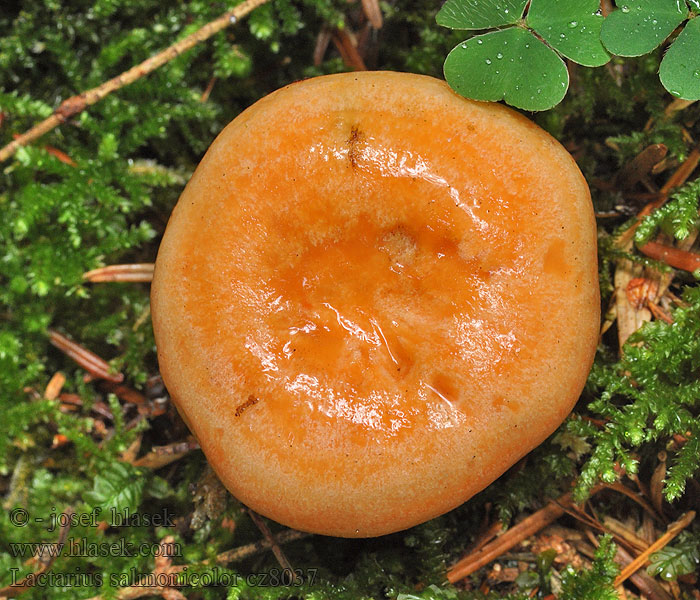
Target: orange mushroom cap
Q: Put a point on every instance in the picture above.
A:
(373, 297)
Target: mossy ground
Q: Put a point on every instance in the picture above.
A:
(98, 191)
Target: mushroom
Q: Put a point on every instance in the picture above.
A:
(373, 297)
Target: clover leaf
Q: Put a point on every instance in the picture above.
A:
(680, 68)
(480, 14)
(521, 64)
(572, 27)
(511, 65)
(639, 26)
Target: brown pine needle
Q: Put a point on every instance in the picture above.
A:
(76, 104)
(679, 177)
(130, 272)
(345, 44)
(161, 456)
(532, 524)
(92, 363)
(373, 13)
(242, 552)
(673, 530)
(53, 388)
(276, 549)
(674, 257)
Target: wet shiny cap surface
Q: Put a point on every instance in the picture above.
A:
(373, 297)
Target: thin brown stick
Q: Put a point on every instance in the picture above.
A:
(53, 388)
(129, 272)
(645, 583)
(373, 13)
(323, 39)
(92, 363)
(640, 166)
(622, 489)
(673, 530)
(276, 549)
(532, 524)
(618, 529)
(161, 456)
(348, 50)
(243, 552)
(678, 178)
(234, 555)
(674, 257)
(78, 103)
(207, 92)
(125, 393)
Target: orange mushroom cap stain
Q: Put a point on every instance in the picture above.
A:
(373, 297)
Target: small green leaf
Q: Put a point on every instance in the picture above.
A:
(680, 68)
(639, 26)
(511, 65)
(480, 14)
(572, 27)
(672, 561)
(117, 487)
(694, 4)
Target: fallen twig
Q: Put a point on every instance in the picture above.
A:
(92, 363)
(640, 166)
(243, 552)
(78, 103)
(235, 555)
(678, 178)
(161, 456)
(673, 530)
(536, 521)
(276, 550)
(674, 257)
(348, 50)
(373, 13)
(130, 272)
(53, 388)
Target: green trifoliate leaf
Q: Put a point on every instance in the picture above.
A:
(639, 26)
(680, 67)
(571, 27)
(511, 65)
(480, 14)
